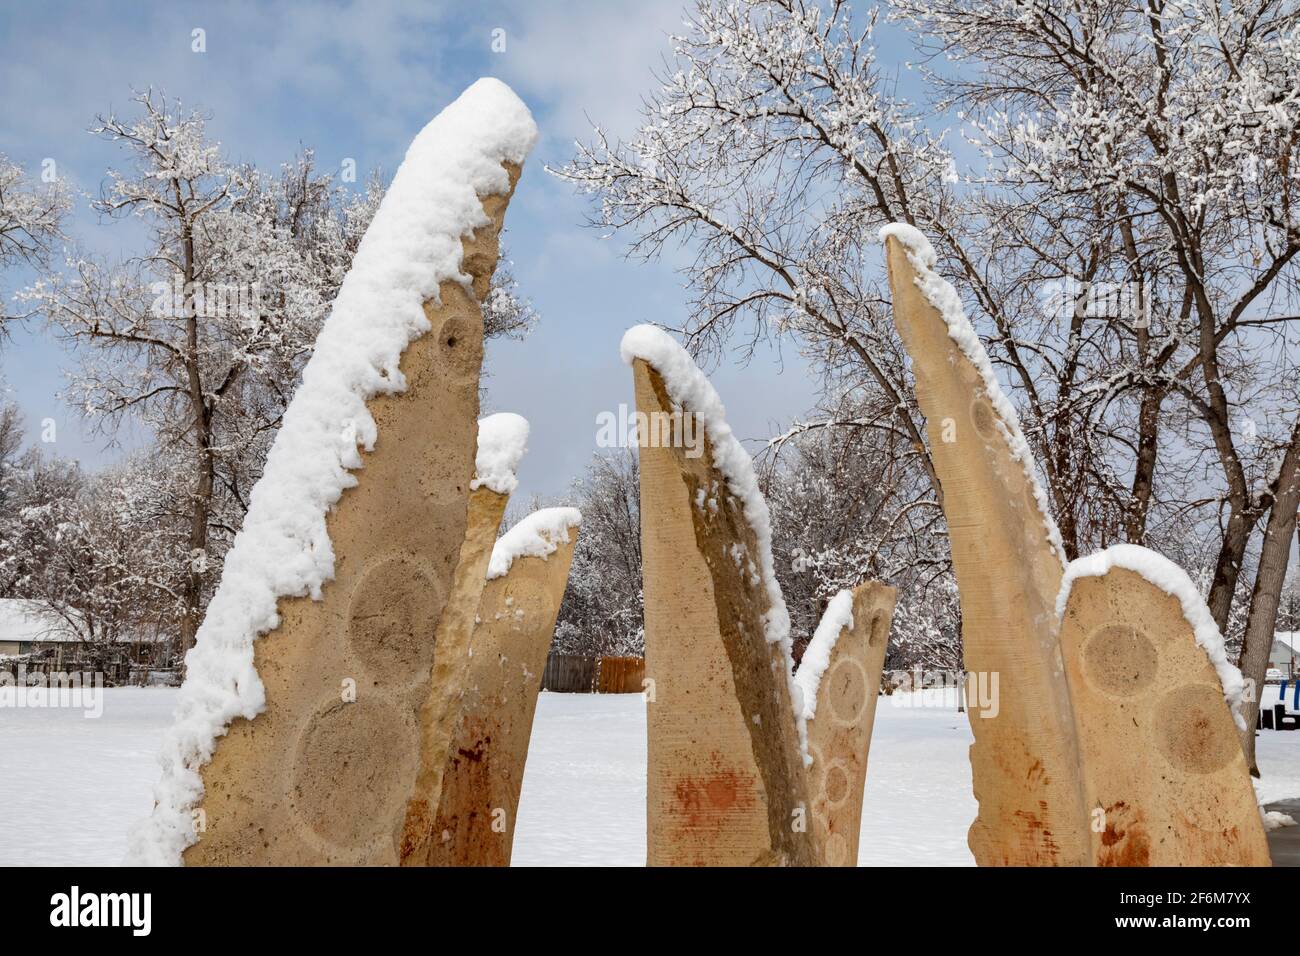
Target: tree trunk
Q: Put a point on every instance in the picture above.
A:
(1227, 567)
(1148, 443)
(1064, 500)
(1243, 512)
(1274, 556)
(200, 508)
(1144, 469)
(201, 498)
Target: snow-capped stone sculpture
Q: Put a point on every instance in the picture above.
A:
(316, 694)
(1165, 780)
(1111, 741)
(475, 822)
(1009, 562)
(726, 761)
(839, 682)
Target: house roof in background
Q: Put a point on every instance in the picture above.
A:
(24, 620)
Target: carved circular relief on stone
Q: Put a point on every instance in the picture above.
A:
(837, 850)
(835, 784)
(443, 479)
(1194, 729)
(391, 619)
(347, 787)
(1120, 659)
(982, 417)
(845, 690)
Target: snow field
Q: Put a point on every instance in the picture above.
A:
(71, 787)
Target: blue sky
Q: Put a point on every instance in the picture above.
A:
(359, 79)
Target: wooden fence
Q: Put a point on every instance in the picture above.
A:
(569, 674)
(39, 669)
(576, 674)
(565, 673)
(620, 675)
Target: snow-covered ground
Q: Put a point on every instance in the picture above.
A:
(70, 787)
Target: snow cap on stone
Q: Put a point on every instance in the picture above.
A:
(817, 656)
(502, 441)
(537, 535)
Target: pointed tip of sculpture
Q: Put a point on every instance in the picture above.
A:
(493, 93)
(942, 296)
(489, 113)
(912, 239)
(648, 342)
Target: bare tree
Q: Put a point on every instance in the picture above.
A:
(103, 552)
(1182, 129)
(184, 337)
(602, 610)
(848, 505)
(1266, 598)
(11, 464)
(31, 222)
(1125, 244)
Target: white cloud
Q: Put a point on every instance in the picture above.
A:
(596, 58)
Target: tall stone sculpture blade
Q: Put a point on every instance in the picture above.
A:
(1112, 696)
(1165, 780)
(1009, 564)
(726, 777)
(321, 717)
(475, 822)
(839, 680)
(501, 440)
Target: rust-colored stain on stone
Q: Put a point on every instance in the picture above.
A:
(1124, 841)
(703, 801)
(1039, 845)
(417, 822)
(475, 753)
(475, 820)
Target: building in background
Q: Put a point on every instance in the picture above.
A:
(29, 627)
(36, 639)
(1283, 654)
